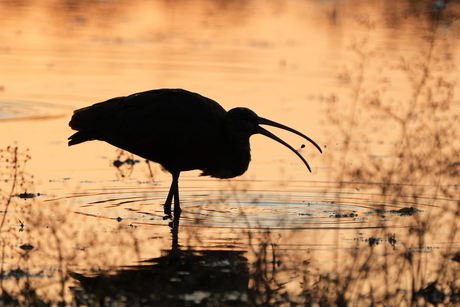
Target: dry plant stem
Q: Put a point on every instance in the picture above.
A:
(13, 186)
(2, 272)
(418, 272)
(424, 157)
(62, 270)
(364, 57)
(15, 173)
(406, 145)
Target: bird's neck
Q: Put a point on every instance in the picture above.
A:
(240, 154)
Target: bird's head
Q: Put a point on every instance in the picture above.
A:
(247, 122)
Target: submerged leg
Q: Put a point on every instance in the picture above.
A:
(173, 192)
(167, 205)
(177, 210)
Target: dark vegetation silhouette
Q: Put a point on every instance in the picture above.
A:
(178, 129)
(17, 189)
(415, 175)
(12, 173)
(406, 149)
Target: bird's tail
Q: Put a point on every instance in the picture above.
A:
(87, 121)
(79, 137)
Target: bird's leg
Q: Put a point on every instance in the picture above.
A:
(174, 224)
(173, 192)
(167, 205)
(175, 183)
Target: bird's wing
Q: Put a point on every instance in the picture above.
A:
(152, 124)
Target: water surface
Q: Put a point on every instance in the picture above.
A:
(373, 83)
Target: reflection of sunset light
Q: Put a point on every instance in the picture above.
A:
(288, 61)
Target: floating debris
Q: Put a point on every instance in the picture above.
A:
(338, 214)
(26, 195)
(456, 257)
(131, 161)
(392, 240)
(26, 247)
(407, 211)
(373, 241)
(431, 294)
(117, 163)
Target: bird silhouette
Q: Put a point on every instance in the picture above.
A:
(178, 129)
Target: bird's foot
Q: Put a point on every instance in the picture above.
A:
(177, 210)
(168, 214)
(170, 217)
(177, 214)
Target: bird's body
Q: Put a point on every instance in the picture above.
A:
(178, 129)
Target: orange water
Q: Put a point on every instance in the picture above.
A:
(290, 62)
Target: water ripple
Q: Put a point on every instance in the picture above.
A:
(255, 209)
(30, 110)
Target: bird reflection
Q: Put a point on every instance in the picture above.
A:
(176, 278)
(180, 130)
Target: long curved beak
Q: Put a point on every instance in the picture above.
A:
(264, 121)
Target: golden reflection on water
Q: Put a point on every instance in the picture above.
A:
(344, 74)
